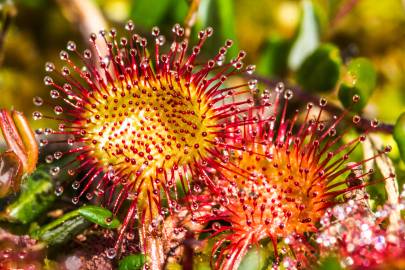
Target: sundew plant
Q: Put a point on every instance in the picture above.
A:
(202, 134)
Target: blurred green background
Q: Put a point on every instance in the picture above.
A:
(265, 29)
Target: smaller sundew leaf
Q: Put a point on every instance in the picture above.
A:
(62, 230)
(399, 135)
(360, 79)
(36, 233)
(99, 215)
(36, 197)
(307, 39)
(132, 262)
(320, 72)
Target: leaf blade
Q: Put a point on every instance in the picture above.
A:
(99, 216)
(360, 79)
(307, 39)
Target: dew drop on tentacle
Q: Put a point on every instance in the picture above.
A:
(323, 102)
(49, 159)
(164, 211)
(37, 115)
(113, 32)
(38, 101)
(61, 126)
(71, 172)
(48, 80)
(65, 71)
(332, 132)
(288, 94)
(197, 188)
(87, 54)
(54, 94)
(250, 69)
(43, 142)
(76, 185)
(63, 55)
(216, 226)
(58, 110)
(220, 60)
(252, 84)
(279, 87)
(355, 98)
(58, 155)
(75, 200)
(111, 253)
(195, 205)
(155, 31)
(54, 170)
(374, 123)
(108, 220)
(49, 66)
(71, 46)
(70, 141)
(356, 119)
(59, 190)
(129, 26)
(161, 40)
(89, 196)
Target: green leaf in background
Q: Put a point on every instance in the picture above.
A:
(147, 13)
(330, 263)
(219, 14)
(180, 10)
(99, 215)
(203, 14)
(399, 135)
(360, 79)
(36, 197)
(273, 61)
(321, 70)
(307, 39)
(132, 262)
(226, 13)
(255, 259)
